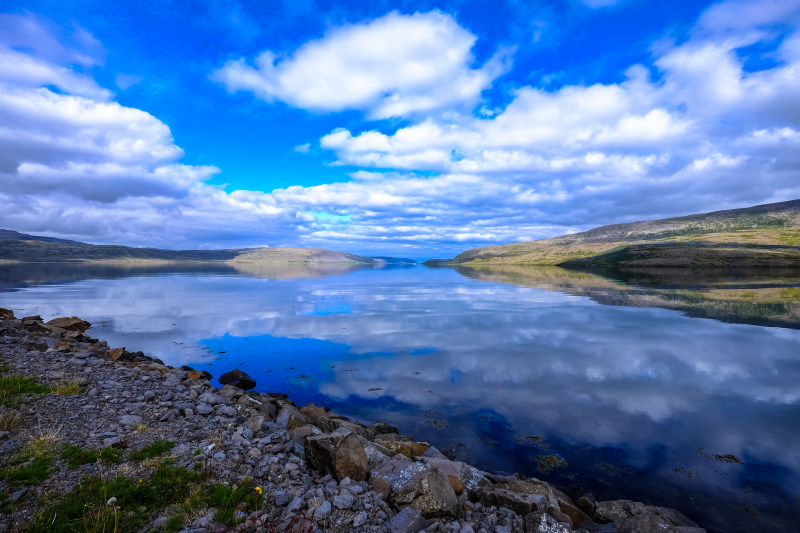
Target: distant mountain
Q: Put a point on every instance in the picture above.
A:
(764, 235)
(394, 260)
(19, 247)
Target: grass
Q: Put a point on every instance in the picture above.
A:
(228, 499)
(31, 473)
(159, 447)
(12, 387)
(9, 421)
(135, 503)
(68, 388)
(77, 456)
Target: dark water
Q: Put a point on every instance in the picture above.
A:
(680, 389)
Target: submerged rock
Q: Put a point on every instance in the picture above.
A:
(640, 518)
(237, 378)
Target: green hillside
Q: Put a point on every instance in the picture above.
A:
(764, 235)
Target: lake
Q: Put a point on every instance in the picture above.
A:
(676, 388)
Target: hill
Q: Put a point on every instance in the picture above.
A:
(19, 247)
(764, 235)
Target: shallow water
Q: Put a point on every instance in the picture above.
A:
(613, 385)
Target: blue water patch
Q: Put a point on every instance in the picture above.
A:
(327, 308)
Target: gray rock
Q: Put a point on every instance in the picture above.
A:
(237, 378)
(430, 493)
(226, 410)
(360, 519)
(211, 398)
(539, 522)
(281, 498)
(296, 504)
(521, 504)
(339, 453)
(344, 501)
(323, 511)
(636, 516)
(204, 409)
(408, 520)
(130, 420)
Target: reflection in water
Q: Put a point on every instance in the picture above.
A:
(761, 297)
(638, 400)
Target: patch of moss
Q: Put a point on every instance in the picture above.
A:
(159, 447)
(120, 504)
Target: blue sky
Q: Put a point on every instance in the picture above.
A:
(396, 128)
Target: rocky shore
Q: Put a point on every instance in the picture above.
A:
(94, 438)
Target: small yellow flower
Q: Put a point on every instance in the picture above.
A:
(258, 490)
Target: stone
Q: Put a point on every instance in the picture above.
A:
(570, 509)
(521, 504)
(408, 520)
(237, 378)
(313, 413)
(72, 323)
(402, 444)
(194, 375)
(226, 410)
(641, 518)
(296, 504)
(458, 487)
(290, 417)
(339, 454)
(538, 522)
(204, 409)
(115, 354)
(396, 472)
(323, 511)
(282, 498)
(254, 423)
(360, 519)
(344, 501)
(299, 434)
(429, 492)
(467, 477)
(130, 420)
(211, 398)
(6, 313)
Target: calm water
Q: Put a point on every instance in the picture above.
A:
(681, 390)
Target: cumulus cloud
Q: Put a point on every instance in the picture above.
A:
(704, 133)
(395, 65)
(696, 129)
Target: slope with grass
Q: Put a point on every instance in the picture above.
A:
(19, 247)
(764, 235)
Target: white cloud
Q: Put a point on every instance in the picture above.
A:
(395, 65)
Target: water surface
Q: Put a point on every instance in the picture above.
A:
(679, 389)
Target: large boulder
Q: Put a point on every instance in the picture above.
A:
(403, 444)
(521, 504)
(290, 417)
(71, 323)
(429, 492)
(6, 313)
(538, 522)
(339, 454)
(636, 517)
(393, 473)
(462, 476)
(237, 378)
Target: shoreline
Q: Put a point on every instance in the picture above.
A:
(283, 467)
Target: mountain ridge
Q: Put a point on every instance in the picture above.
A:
(21, 247)
(721, 234)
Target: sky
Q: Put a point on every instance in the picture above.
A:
(414, 129)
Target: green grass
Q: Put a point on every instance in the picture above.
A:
(227, 499)
(31, 473)
(77, 456)
(159, 447)
(86, 508)
(12, 387)
(4, 368)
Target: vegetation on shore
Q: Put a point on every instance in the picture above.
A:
(765, 235)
